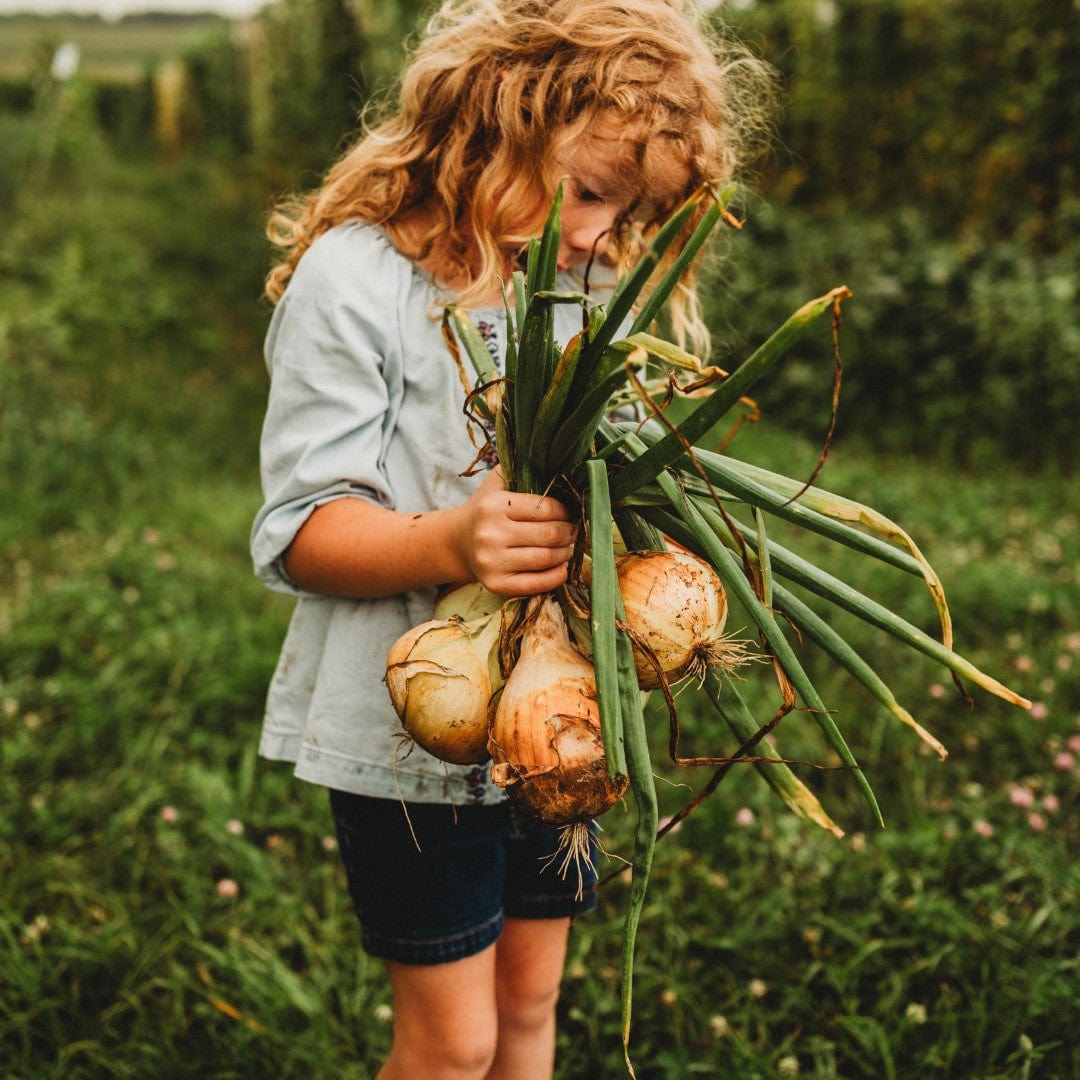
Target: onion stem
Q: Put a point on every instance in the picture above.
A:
(604, 590)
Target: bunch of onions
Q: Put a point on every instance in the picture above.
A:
(546, 745)
(676, 609)
(441, 676)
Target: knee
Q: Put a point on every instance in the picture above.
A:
(466, 1054)
(524, 1004)
(460, 1052)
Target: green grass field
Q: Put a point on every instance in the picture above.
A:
(172, 906)
(120, 51)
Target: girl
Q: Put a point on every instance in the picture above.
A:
(367, 511)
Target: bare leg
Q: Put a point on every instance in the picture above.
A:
(445, 1020)
(529, 959)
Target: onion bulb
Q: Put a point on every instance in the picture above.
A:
(468, 601)
(441, 676)
(545, 739)
(676, 608)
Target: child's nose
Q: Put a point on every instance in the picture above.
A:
(585, 234)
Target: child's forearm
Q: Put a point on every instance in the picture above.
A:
(515, 544)
(350, 547)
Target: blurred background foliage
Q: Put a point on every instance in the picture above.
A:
(926, 157)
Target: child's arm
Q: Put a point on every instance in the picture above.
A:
(514, 544)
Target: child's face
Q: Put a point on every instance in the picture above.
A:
(599, 189)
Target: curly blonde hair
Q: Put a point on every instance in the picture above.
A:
(491, 94)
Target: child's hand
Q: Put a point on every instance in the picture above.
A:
(515, 544)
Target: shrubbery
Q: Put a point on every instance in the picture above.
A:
(125, 112)
(927, 160)
(967, 348)
(968, 110)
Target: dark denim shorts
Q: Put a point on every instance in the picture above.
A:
(447, 898)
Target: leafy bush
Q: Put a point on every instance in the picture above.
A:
(125, 112)
(307, 86)
(971, 348)
(218, 91)
(962, 108)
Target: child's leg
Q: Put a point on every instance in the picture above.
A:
(490, 1015)
(529, 960)
(472, 925)
(445, 1021)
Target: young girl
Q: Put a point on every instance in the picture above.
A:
(367, 511)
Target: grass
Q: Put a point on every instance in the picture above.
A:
(171, 906)
(122, 51)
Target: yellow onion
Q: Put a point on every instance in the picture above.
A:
(468, 601)
(676, 608)
(545, 739)
(441, 676)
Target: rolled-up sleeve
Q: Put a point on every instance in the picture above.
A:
(330, 404)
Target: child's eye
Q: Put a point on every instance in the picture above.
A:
(588, 195)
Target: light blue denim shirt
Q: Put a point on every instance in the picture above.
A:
(366, 402)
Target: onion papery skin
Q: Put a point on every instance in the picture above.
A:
(546, 743)
(469, 601)
(441, 676)
(676, 606)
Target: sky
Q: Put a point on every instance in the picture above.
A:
(117, 8)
